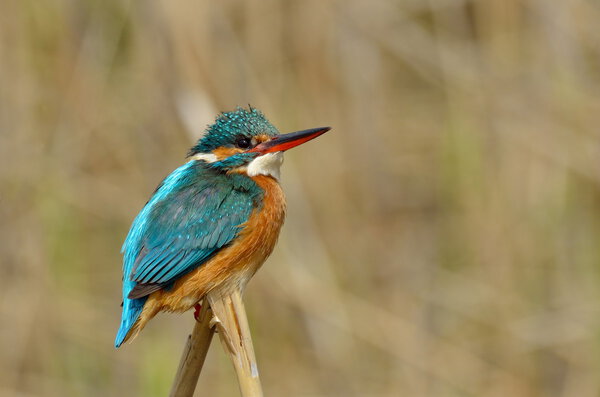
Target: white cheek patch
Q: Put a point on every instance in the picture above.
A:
(208, 157)
(267, 164)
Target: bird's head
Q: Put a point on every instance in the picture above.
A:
(244, 141)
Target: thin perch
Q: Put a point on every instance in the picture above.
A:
(231, 321)
(224, 311)
(193, 355)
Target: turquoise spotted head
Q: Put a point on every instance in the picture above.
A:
(245, 141)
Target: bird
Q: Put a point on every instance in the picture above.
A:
(211, 223)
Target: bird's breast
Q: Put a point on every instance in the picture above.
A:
(260, 232)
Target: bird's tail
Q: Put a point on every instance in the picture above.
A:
(132, 308)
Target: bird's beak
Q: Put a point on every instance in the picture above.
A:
(284, 142)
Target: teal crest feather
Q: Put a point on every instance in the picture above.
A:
(229, 125)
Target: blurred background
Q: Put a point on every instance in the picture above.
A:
(442, 240)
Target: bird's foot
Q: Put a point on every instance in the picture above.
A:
(197, 308)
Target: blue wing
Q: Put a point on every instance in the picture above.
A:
(194, 213)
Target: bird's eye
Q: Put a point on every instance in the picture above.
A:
(243, 143)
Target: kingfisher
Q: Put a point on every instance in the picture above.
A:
(211, 223)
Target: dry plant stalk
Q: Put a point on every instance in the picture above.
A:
(232, 323)
(193, 355)
(224, 311)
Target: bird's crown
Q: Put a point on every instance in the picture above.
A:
(234, 129)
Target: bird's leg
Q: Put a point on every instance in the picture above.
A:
(197, 308)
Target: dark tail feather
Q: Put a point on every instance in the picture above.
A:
(143, 290)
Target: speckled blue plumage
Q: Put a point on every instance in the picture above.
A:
(195, 211)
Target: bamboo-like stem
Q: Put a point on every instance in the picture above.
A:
(193, 355)
(234, 332)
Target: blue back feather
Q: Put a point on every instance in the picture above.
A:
(195, 211)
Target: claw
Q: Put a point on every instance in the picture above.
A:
(197, 308)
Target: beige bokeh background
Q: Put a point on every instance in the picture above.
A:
(442, 240)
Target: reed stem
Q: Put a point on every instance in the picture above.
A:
(193, 355)
(234, 332)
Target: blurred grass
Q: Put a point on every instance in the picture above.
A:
(442, 240)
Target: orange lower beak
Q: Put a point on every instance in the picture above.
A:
(287, 141)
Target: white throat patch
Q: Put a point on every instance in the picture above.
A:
(267, 164)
